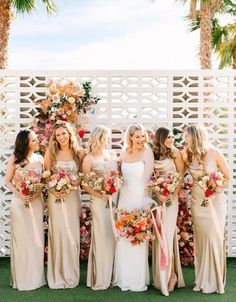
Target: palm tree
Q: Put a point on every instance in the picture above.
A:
(206, 9)
(6, 10)
(223, 37)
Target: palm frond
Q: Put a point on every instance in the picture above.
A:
(226, 54)
(23, 6)
(26, 6)
(50, 5)
(228, 7)
(194, 24)
(219, 34)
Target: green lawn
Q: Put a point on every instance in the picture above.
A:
(84, 294)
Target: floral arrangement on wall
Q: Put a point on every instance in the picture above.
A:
(67, 101)
(184, 220)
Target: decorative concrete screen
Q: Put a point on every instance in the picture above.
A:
(153, 98)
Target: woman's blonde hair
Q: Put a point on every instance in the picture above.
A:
(54, 146)
(160, 151)
(199, 143)
(98, 134)
(128, 144)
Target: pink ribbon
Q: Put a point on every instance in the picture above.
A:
(37, 237)
(112, 218)
(215, 218)
(160, 231)
(68, 230)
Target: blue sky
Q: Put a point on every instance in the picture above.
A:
(104, 34)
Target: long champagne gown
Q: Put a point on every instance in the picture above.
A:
(102, 247)
(161, 277)
(209, 242)
(27, 238)
(64, 236)
(131, 269)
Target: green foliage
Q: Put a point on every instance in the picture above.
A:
(223, 37)
(26, 6)
(87, 97)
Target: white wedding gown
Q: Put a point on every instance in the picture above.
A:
(131, 270)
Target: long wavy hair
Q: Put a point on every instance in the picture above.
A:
(199, 143)
(22, 146)
(98, 134)
(128, 144)
(54, 146)
(159, 149)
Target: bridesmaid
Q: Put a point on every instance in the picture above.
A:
(209, 222)
(102, 247)
(27, 243)
(167, 158)
(63, 225)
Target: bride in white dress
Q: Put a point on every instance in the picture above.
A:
(131, 270)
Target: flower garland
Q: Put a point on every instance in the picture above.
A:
(65, 101)
(85, 231)
(184, 220)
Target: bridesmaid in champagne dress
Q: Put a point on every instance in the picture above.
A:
(209, 221)
(102, 247)
(131, 269)
(167, 159)
(63, 225)
(27, 243)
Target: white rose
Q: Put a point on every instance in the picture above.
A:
(71, 100)
(219, 183)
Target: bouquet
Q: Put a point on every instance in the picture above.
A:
(62, 182)
(211, 184)
(164, 186)
(135, 225)
(28, 184)
(109, 183)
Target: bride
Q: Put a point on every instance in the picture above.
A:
(131, 271)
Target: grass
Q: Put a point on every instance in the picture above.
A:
(84, 294)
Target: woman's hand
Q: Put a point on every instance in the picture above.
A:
(30, 198)
(35, 196)
(59, 195)
(160, 198)
(105, 197)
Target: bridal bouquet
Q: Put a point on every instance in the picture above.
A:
(135, 225)
(164, 186)
(62, 182)
(109, 183)
(211, 184)
(28, 184)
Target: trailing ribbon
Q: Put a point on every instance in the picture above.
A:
(160, 231)
(112, 218)
(37, 237)
(68, 230)
(215, 219)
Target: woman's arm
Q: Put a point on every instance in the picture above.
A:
(81, 157)
(47, 166)
(222, 165)
(86, 169)
(9, 177)
(179, 163)
(47, 160)
(184, 156)
(149, 164)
